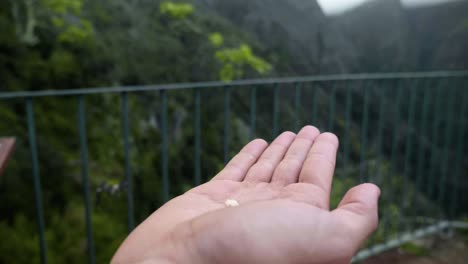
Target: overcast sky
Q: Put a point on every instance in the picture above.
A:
(338, 6)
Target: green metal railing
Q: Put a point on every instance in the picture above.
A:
(398, 113)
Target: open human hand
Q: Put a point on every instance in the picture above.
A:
(283, 215)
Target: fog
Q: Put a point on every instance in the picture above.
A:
(333, 7)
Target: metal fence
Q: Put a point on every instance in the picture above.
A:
(376, 116)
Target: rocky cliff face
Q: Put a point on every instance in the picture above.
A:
(441, 34)
(388, 37)
(380, 35)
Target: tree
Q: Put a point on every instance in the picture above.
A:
(64, 15)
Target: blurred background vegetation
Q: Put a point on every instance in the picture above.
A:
(66, 44)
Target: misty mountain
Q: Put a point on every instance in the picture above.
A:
(379, 35)
(388, 37)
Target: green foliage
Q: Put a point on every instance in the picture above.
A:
(216, 39)
(63, 63)
(66, 17)
(60, 11)
(463, 232)
(74, 34)
(234, 61)
(340, 186)
(63, 6)
(415, 249)
(176, 10)
(65, 237)
(22, 246)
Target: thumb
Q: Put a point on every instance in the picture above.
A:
(358, 211)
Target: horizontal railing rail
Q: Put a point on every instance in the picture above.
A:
(265, 81)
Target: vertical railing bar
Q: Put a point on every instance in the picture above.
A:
(331, 117)
(365, 111)
(435, 140)
(447, 140)
(227, 122)
(315, 106)
(253, 112)
(164, 146)
(297, 105)
(460, 147)
(128, 168)
(394, 166)
(409, 150)
(399, 89)
(348, 121)
(275, 110)
(421, 153)
(365, 119)
(380, 130)
(197, 95)
(85, 178)
(37, 178)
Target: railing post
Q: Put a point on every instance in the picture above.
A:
(85, 178)
(297, 105)
(435, 141)
(459, 150)
(197, 126)
(275, 110)
(128, 168)
(37, 178)
(348, 121)
(164, 146)
(365, 120)
(380, 130)
(393, 154)
(447, 140)
(315, 105)
(380, 152)
(227, 122)
(253, 112)
(421, 162)
(409, 150)
(331, 117)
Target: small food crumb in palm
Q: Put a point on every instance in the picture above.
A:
(231, 203)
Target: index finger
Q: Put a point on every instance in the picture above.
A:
(237, 168)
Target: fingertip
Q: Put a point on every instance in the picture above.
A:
(371, 188)
(255, 146)
(329, 137)
(259, 141)
(361, 197)
(310, 129)
(285, 138)
(287, 134)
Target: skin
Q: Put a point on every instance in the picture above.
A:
(283, 191)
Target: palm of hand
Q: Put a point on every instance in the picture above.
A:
(283, 216)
